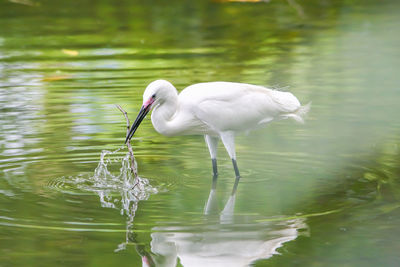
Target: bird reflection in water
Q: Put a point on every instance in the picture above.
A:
(229, 240)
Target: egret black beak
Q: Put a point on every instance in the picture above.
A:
(142, 113)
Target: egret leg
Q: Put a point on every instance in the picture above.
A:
(215, 169)
(212, 143)
(235, 167)
(228, 138)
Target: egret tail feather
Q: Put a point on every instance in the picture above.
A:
(299, 114)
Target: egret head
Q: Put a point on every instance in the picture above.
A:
(156, 93)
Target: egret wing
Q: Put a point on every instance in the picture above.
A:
(240, 110)
(224, 106)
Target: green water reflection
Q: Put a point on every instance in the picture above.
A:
(323, 193)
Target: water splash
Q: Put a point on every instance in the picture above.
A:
(131, 189)
(116, 189)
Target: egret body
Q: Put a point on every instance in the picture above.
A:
(217, 110)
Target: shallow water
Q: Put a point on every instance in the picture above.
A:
(323, 193)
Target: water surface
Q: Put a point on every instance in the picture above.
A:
(323, 193)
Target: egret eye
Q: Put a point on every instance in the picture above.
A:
(153, 96)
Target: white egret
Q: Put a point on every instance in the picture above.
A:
(217, 110)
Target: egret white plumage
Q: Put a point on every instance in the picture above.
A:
(217, 110)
